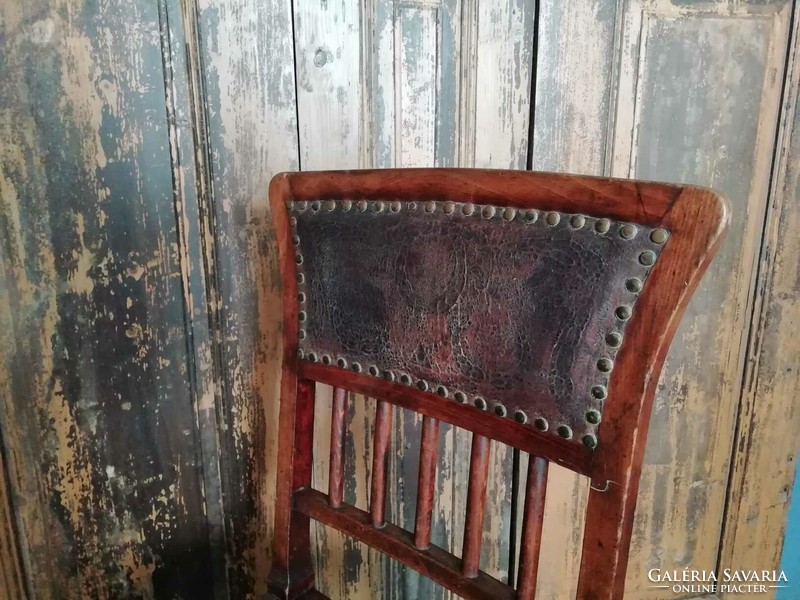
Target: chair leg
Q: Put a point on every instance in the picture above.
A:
(292, 573)
(607, 539)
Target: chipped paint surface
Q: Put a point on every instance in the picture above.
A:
(140, 298)
(763, 469)
(614, 112)
(245, 55)
(97, 421)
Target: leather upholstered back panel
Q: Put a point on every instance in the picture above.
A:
(516, 311)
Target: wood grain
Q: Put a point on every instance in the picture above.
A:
(426, 489)
(136, 173)
(12, 569)
(598, 113)
(695, 219)
(532, 522)
(336, 468)
(765, 456)
(247, 115)
(380, 448)
(695, 402)
(476, 505)
(100, 411)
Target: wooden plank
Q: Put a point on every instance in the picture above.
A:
(329, 90)
(422, 105)
(497, 53)
(574, 78)
(415, 65)
(98, 423)
(574, 92)
(12, 571)
(412, 86)
(435, 562)
(719, 73)
(185, 94)
(766, 454)
(589, 119)
(533, 520)
(412, 82)
(328, 51)
(248, 114)
(504, 60)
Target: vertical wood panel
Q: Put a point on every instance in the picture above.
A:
(574, 91)
(502, 84)
(415, 65)
(719, 77)
(329, 84)
(12, 570)
(98, 421)
(499, 42)
(574, 77)
(328, 40)
(766, 454)
(249, 117)
(684, 93)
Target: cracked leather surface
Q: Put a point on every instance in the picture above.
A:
(513, 312)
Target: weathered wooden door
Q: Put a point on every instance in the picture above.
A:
(139, 300)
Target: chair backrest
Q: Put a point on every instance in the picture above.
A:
(531, 309)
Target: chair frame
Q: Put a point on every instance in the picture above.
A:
(696, 219)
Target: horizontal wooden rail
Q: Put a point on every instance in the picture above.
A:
(570, 455)
(435, 563)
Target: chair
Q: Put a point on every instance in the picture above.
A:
(532, 309)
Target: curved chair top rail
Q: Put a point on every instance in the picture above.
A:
(535, 309)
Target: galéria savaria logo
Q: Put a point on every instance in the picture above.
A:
(729, 581)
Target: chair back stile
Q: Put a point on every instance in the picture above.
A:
(532, 309)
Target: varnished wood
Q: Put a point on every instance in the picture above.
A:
(434, 562)
(383, 430)
(292, 573)
(695, 219)
(336, 476)
(532, 521)
(639, 202)
(476, 505)
(429, 447)
(571, 456)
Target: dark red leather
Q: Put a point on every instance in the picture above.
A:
(500, 306)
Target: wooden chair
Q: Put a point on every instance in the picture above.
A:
(532, 309)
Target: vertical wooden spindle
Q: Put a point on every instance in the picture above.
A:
(532, 521)
(383, 426)
(429, 451)
(336, 475)
(513, 516)
(476, 503)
